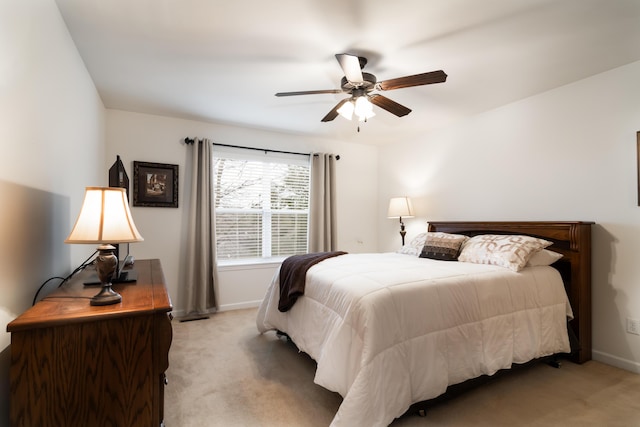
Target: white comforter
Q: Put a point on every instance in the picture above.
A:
(388, 330)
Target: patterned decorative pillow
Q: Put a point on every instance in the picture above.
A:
(511, 251)
(414, 246)
(442, 246)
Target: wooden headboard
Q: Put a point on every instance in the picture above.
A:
(570, 238)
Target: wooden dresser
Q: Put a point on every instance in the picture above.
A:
(73, 364)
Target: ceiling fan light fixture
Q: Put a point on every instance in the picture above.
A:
(366, 116)
(364, 108)
(346, 110)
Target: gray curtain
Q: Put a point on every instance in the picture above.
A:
(201, 275)
(322, 220)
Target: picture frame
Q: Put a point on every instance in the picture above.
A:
(155, 185)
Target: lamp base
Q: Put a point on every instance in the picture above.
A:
(106, 263)
(106, 296)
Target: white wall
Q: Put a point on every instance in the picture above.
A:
(568, 154)
(149, 138)
(52, 138)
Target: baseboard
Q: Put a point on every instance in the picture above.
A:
(618, 362)
(240, 306)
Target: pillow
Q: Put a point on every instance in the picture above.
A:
(510, 251)
(442, 246)
(543, 257)
(415, 246)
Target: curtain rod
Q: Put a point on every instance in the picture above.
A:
(188, 140)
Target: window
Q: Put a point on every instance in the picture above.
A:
(261, 204)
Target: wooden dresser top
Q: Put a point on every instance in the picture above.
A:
(70, 303)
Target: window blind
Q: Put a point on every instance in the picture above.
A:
(261, 205)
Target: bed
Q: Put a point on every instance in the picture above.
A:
(390, 330)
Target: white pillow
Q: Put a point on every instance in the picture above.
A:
(543, 257)
(510, 251)
(414, 246)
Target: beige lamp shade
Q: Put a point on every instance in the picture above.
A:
(104, 218)
(400, 207)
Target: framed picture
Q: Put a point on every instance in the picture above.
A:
(155, 185)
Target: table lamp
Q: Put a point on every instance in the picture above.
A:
(400, 207)
(105, 218)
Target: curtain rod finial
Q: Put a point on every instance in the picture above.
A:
(188, 140)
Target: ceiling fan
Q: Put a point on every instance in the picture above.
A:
(360, 85)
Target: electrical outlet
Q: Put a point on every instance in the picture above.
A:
(633, 326)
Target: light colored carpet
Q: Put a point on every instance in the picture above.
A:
(224, 373)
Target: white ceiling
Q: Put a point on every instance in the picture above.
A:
(222, 61)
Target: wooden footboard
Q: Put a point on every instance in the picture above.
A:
(570, 238)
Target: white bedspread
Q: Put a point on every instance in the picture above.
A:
(388, 330)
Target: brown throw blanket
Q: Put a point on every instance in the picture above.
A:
(293, 273)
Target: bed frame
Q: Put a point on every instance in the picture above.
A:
(570, 238)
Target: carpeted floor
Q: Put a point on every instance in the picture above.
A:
(224, 373)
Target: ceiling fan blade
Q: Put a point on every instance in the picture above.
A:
(389, 105)
(415, 80)
(309, 92)
(350, 64)
(334, 112)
